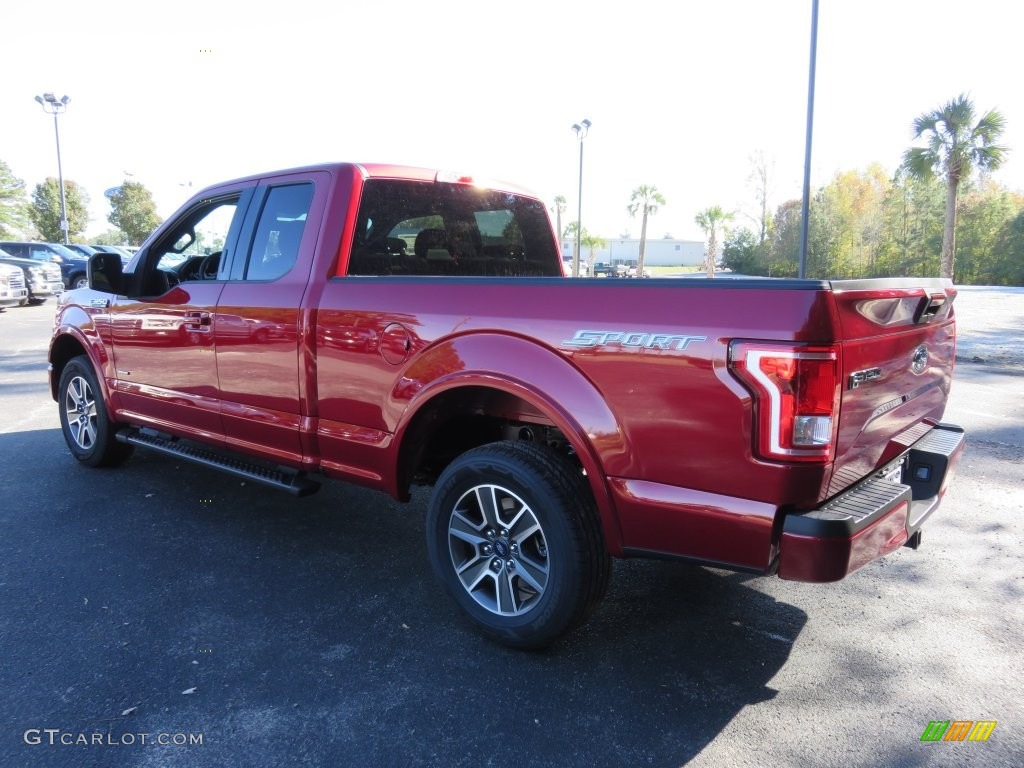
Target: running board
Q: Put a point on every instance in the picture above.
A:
(281, 478)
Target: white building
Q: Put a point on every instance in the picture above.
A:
(658, 252)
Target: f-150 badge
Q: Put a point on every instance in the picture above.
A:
(632, 339)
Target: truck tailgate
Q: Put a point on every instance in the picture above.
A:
(897, 362)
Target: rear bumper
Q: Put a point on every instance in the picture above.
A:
(874, 517)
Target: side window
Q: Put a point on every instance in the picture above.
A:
(191, 250)
(275, 246)
(203, 235)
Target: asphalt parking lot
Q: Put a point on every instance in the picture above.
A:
(169, 600)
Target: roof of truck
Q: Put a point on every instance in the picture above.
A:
(392, 171)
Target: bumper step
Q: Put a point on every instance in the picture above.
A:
(851, 512)
(875, 516)
(282, 478)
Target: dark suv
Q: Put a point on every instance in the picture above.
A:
(72, 265)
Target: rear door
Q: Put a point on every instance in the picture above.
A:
(259, 318)
(898, 353)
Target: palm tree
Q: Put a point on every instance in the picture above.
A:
(560, 207)
(709, 219)
(592, 242)
(955, 145)
(647, 199)
(570, 231)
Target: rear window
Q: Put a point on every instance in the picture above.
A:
(432, 228)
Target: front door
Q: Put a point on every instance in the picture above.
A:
(163, 330)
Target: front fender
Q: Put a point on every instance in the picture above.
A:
(537, 375)
(74, 333)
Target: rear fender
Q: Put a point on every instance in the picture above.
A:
(537, 375)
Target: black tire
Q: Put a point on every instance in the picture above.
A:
(518, 503)
(87, 429)
(78, 281)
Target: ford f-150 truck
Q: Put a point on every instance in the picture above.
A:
(12, 286)
(393, 326)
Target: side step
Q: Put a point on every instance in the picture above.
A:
(282, 478)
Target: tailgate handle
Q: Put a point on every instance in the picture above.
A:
(930, 308)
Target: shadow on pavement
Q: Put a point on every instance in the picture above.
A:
(313, 632)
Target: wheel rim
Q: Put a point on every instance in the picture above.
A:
(80, 409)
(81, 282)
(498, 549)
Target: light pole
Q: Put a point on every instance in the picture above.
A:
(57, 106)
(582, 129)
(805, 203)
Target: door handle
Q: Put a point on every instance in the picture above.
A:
(198, 321)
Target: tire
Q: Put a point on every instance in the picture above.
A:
(87, 429)
(513, 534)
(78, 281)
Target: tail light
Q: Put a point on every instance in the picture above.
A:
(796, 398)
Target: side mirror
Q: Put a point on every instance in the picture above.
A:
(105, 272)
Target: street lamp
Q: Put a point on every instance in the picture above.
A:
(581, 133)
(54, 106)
(805, 203)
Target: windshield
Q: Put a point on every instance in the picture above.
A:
(66, 252)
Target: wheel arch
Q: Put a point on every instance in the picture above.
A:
(73, 276)
(67, 346)
(488, 384)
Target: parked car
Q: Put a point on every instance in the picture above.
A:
(72, 265)
(12, 286)
(567, 267)
(632, 272)
(789, 428)
(603, 268)
(42, 279)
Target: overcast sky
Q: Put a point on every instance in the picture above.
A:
(680, 94)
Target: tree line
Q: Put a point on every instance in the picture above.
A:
(870, 224)
(132, 210)
(929, 218)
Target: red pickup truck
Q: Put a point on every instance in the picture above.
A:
(389, 326)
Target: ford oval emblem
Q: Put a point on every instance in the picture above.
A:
(920, 360)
